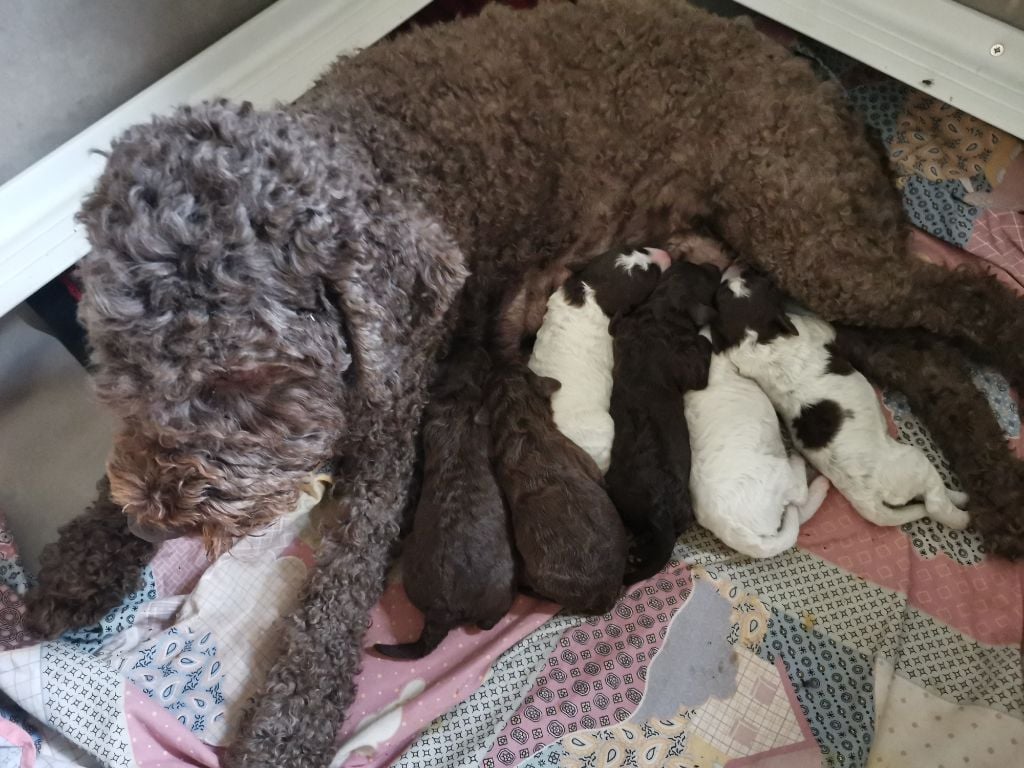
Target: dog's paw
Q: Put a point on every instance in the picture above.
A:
(49, 615)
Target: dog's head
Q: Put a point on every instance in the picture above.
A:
(251, 285)
(749, 305)
(620, 279)
(687, 291)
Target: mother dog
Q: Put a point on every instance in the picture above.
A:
(269, 291)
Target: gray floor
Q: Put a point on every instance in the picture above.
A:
(63, 65)
(54, 438)
(66, 63)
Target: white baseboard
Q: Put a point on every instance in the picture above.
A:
(937, 46)
(275, 56)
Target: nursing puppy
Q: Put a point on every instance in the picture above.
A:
(574, 344)
(457, 563)
(659, 356)
(568, 534)
(745, 488)
(831, 410)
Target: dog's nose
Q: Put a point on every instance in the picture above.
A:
(150, 533)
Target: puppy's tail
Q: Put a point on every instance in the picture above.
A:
(433, 633)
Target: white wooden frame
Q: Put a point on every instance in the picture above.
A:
(275, 56)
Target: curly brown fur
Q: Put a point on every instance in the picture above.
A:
(84, 574)
(659, 356)
(522, 312)
(699, 247)
(223, 318)
(934, 376)
(226, 302)
(294, 721)
(567, 533)
(457, 564)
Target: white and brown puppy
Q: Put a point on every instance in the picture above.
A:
(831, 409)
(574, 344)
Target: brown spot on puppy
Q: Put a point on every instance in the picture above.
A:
(818, 423)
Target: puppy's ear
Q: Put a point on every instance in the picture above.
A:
(786, 325)
(706, 347)
(482, 417)
(717, 340)
(712, 270)
(574, 290)
(701, 314)
(704, 363)
(548, 385)
(614, 323)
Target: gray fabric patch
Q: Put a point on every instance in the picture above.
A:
(680, 678)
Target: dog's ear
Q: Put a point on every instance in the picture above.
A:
(717, 340)
(575, 291)
(482, 417)
(548, 386)
(614, 323)
(712, 270)
(785, 324)
(701, 314)
(705, 351)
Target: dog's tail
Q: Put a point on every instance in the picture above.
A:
(434, 631)
(934, 376)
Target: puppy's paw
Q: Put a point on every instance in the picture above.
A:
(959, 498)
(954, 518)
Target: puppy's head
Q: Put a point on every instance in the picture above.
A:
(749, 305)
(621, 279)
(687, 291)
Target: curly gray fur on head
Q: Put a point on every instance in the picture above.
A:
(228, 310)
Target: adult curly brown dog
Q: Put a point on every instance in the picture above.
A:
(266, 289)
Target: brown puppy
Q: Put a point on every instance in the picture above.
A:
(567, 532)
(457, 562)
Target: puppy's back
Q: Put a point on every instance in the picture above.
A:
(567, 531)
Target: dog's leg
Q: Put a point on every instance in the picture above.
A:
(965, 304)
(95, 563)
(294, 720)
(825, 221)
(934, 376)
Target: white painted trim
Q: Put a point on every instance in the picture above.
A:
(275, 56)
(937, 46)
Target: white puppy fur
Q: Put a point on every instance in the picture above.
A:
(878, 475)
(745, 489)
(574, 346)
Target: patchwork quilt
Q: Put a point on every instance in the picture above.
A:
(861, 646)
